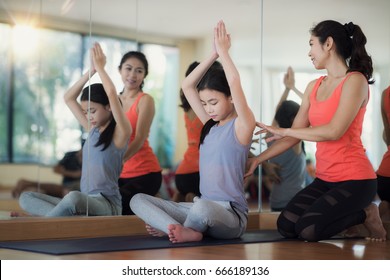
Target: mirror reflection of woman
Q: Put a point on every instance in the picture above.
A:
(383, 171)
(332, 114)
(101, 113)
(141, 170)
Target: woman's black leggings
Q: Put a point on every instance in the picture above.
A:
(187, 183)
(128, 187)
(384, 188)
(324, 209)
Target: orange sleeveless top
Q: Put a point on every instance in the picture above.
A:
(190, 162)
(343, 159)
(144, 161)
(384, 167)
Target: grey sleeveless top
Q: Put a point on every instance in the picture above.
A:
(222, 166)
(292, 174)
(101, 169)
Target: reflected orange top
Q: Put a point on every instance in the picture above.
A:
(384, 168)
(144, 161)
(343, 159)
(190, 162)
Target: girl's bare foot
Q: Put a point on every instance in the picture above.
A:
(15, 214)
(374, 224)
(384, 211)
(154, 232)
(178, 234)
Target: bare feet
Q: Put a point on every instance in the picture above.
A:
(374, 224)
(356, 231)
(178, 234)
(384, 211)
(154, 232)
(15, 214)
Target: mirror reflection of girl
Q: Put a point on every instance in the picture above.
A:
(291, 172)
(332, 114)
(187, 172)
(383, 171)
(141, 170)
(216, 96)
(100, 111)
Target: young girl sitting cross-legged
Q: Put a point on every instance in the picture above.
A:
(216, 96)
(101, 112)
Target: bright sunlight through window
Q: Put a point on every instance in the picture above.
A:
(25, 40)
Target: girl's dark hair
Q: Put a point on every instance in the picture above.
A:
(184, 102)
(214, 79)
(286, 113)
(138, 55)
(99, 95)
(350, 44)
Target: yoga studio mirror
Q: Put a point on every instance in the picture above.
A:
(286, 43)
(172, 34)
(268, 36)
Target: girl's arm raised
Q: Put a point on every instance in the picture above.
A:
(123, 128)
(189, 87)
(245, 123)
(70, 99)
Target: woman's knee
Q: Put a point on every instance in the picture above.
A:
(286, 227)
(307, 230)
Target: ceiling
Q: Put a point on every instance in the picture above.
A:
(175, 18)
(285, 25)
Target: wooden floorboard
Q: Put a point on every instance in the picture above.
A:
(289, 250)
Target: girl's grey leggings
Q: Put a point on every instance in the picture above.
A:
(213, 218)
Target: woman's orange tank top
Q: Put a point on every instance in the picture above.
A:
(384, 167)
(343, 159)
(190, 162)
(144, 161)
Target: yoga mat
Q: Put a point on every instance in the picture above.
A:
(126, 243)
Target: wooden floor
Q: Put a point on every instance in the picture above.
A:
(290, 250)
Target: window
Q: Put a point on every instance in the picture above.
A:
(162, 83)
(5, 32)
(42, 64)
(41, 74)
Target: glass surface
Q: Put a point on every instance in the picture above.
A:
(171, 44)
(266, 40)
(5, 33)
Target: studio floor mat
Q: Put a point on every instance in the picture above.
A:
(126, 243)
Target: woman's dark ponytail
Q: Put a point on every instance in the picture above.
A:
(350, 44)
(360, 60)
